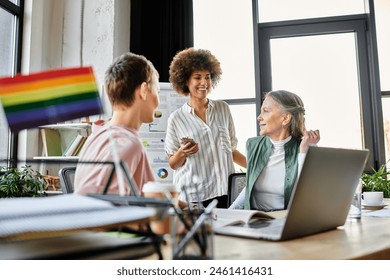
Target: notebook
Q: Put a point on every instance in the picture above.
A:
(320, 200)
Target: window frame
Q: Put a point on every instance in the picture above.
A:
(18, 12)
(373, 133)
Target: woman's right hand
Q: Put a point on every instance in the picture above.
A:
(310, 137)
(189, 148)
(179, 158)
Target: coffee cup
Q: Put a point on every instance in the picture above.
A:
(160, 190)
(372, 198)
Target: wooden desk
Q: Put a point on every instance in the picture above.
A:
(368, 238)
(365, 239)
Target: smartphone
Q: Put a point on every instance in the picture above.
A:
(186, 140)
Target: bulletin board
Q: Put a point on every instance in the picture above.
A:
(153, 134)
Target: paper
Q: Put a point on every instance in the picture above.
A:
(29, 216)
(226, 217)
(376, 213)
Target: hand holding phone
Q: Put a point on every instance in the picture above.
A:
(186, 140)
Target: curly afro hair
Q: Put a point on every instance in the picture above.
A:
(189, 60)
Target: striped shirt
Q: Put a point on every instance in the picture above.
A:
(213, 163)
(91, 178)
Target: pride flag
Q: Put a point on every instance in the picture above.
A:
(49, 97)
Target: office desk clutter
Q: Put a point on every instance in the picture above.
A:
(28, 218)
(64, 94)
(73, 227)
(160, 191)
(190, 229)
(192, 232)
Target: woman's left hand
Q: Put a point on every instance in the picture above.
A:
(310, 137)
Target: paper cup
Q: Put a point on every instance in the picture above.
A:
(158, 190)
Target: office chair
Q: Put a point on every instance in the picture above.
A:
(237, 181)
(66, 175)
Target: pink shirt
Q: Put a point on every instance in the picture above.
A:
(91, 178)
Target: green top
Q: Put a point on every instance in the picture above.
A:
(259, 150)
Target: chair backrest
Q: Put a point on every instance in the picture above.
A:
(66, 175)
(237, 182)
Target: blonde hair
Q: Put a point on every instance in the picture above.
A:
(125, 75)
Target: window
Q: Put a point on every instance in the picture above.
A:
(382, 12)
(329, 60)
(322, 70)
(230, 39)
(386, 125)
(278, 10)
(11, 15)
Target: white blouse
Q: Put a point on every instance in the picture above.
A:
(213, 163)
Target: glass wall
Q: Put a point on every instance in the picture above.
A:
(382, 13)
(6, 69)
(227, 32)
(322, 70)
(225, 27)
(279, 10)
(244, 116)
(7, 23)
(10, 13)
(382, 19)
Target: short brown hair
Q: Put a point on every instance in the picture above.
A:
(125, 75)
(189, 60)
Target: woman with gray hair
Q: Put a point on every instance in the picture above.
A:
(275, 157)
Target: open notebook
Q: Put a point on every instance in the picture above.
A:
(320, 200)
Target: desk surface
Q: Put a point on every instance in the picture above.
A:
(368, 238)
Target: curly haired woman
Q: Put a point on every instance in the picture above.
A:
(201, 139)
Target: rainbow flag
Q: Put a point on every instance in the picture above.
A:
(49, 97)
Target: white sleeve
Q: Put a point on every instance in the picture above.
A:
(301, 160)
(239, 202)
(171, 143)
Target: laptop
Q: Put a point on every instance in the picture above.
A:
(320, 200)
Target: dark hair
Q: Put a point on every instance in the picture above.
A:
(189, 60)
(292, 104)
(125, 75)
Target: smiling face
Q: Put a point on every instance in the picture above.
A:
(272, 121)
(199, 84)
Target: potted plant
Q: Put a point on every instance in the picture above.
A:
(21, 182)
(378, 181)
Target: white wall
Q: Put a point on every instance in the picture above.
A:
(55, 37)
